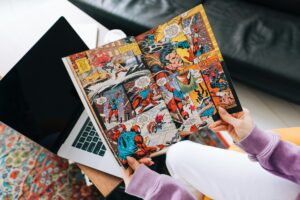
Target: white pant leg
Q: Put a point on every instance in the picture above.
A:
(226, 175)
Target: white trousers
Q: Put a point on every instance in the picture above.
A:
(225, 175)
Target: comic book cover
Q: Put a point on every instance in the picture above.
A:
(125, 100)
(188, 67)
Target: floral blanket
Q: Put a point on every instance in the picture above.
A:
(28, 171)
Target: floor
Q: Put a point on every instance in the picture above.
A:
(28, 171)
(23, 28)
(268, 111)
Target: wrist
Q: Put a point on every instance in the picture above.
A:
(246, 131)
(255, 141)
(138, 186)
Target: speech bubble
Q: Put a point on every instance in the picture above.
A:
(101, 100)
(142, 119)
(172, 31)
(161, 81)
(142, 82)
(190, 121)
(220, 94)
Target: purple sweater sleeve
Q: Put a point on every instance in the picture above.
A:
(278, 157)
(150, 185)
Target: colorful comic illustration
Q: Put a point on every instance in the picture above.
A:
(121, 91)
(187, 98)
(200, 35)
(217, 83)
(197, 35)
(150, 91)
(168, 53)
(143, 93)
(143, 135)
(177, 53)
(100, 68)
(112, 106)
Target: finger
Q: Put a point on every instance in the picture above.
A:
(217, 123)
(220, 128)
(221, 124)
(227, 117)
(146, 161)
(132, 162)
(127, 172)
(184, 133)
(127, 175)
(241, 114)
(236, 115)
(232, 133)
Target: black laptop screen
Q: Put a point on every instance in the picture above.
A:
(37, 97)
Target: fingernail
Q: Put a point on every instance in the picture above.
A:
(130, 160)
(222, 110)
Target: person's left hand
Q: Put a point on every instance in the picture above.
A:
(133, 165)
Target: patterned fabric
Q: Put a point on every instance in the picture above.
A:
(28, 171)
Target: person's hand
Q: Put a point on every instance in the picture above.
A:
(239, 125)
(133, 165)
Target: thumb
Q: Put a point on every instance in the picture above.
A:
(132, 162)
(227, 117)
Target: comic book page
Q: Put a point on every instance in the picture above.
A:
(149, 92)
(125, 100)
(188, 67)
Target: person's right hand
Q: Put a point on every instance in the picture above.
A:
(239, 125)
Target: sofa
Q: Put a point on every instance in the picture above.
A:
(260, 40)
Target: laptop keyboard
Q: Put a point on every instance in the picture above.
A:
(88, 140)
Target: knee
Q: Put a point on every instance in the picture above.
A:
(184, 154)
(178, 154)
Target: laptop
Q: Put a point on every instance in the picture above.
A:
(38, 99)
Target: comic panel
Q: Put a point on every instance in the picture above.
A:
(199, 33)
(200, 96)
(185, 94)
(113, 107)
(108, 65)
(165, 47)
(143, 93)
(143, 135)
(173, 97)
(81, 66)
(217, 83)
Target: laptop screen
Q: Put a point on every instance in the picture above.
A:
(37, 97)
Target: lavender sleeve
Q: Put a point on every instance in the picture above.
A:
(150, 185)
(278, 157)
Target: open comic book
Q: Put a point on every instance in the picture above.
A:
(148, 92)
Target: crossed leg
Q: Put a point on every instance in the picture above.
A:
(225, 175)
